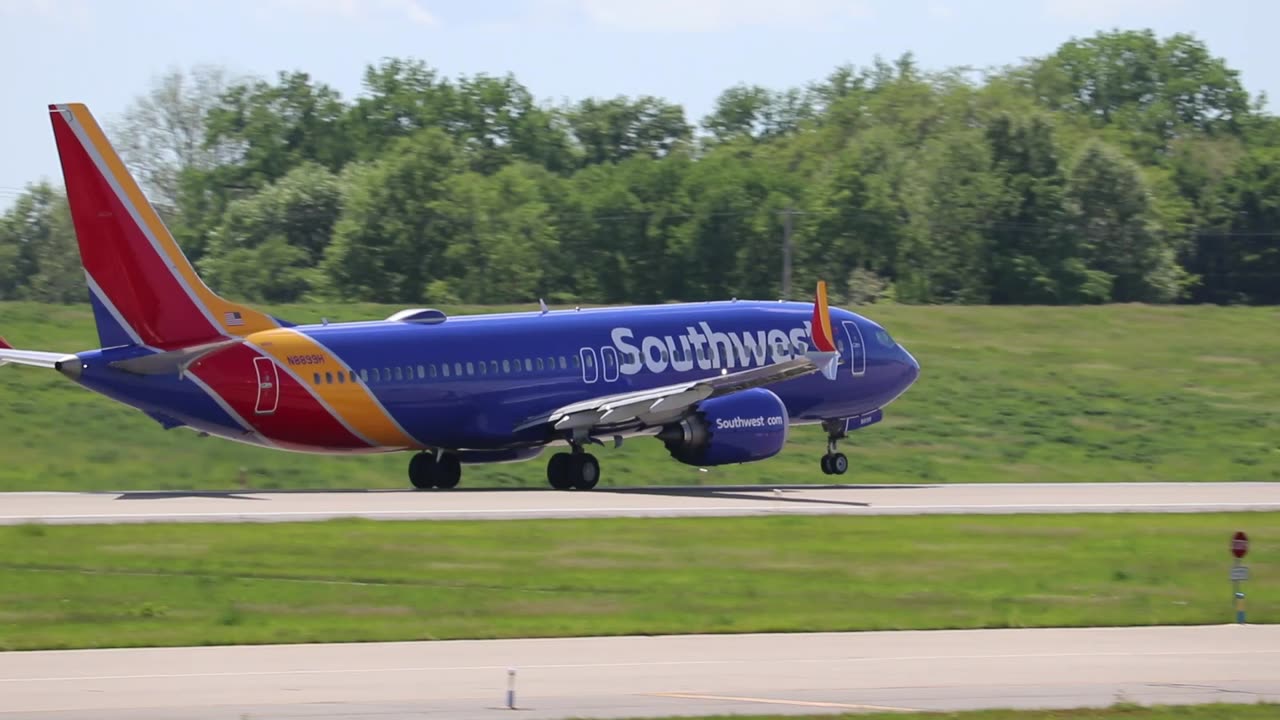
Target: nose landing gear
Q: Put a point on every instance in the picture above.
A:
(834, 462)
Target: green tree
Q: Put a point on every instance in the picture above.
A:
(386, 243)
(609, 131)
(164, 133)
(297, 213)
(1109, 209)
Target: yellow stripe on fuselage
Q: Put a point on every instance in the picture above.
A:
(353, 402)
(252, 320)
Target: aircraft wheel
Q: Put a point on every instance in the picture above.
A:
(448, 471)
(558, 471)
(826, 464)
(422, 471)
(839, 464)
(584, 469)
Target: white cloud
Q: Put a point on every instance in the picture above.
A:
(69, 12)
(703, 15)
(362, 10)
(940, 11)
(1107, 10)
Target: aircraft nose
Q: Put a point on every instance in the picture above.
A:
(913, 367)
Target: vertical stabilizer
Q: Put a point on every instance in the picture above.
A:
(143, 289)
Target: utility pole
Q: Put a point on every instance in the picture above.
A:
(786, 252)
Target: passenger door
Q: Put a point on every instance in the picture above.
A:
(268, 386)
(590, 372)
(857, 353)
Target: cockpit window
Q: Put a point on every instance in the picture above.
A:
(883, 338)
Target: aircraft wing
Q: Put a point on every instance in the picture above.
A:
(664, 404)
(661, 405)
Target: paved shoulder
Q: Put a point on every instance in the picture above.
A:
(654, 676)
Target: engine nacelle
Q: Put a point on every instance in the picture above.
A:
(743, 427)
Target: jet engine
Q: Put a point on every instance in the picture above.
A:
(743, 427)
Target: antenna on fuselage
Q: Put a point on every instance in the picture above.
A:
(542, 305)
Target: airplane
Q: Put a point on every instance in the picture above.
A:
(717, 383)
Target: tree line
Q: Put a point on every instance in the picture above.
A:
(1121, 167)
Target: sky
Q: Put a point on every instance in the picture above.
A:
(108, 52)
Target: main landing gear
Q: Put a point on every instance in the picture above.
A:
(439, 470)
(834, 462)
(577, 470)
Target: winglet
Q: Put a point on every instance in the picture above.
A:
(828, 363)
(5, 345)
(823, 338)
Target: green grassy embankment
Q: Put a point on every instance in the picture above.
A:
(144, 585)
(1117, 393)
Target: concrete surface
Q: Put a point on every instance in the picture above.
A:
(487, 504)
(651, 676)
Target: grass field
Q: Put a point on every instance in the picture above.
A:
(1260, 711)
(1118, 393)
(131, 585)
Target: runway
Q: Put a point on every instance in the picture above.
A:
(652, 676)
(695, 501)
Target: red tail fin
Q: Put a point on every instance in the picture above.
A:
(4, 345)
(138, 276)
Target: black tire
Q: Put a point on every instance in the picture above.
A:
(839, 464)
(448, 472)
(422, 471)
(826, 464)
(585, 471)
(558, 471)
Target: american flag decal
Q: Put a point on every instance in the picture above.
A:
(233, 318)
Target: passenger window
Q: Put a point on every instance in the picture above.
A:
(540, 367)
(317, 378)
(422, 372)
(506, 366)
(399, 374)
(576, 362)
(562, 363)
(444, 369)
(364, 375)
(590, 361)
(376, 376)
(471, 369)
(493, 367)
(431, 371)
(484, 369)
(328, 378)
(342, 377)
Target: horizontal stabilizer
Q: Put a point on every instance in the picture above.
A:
(174, 361)
(4, 345)
(32, 358)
